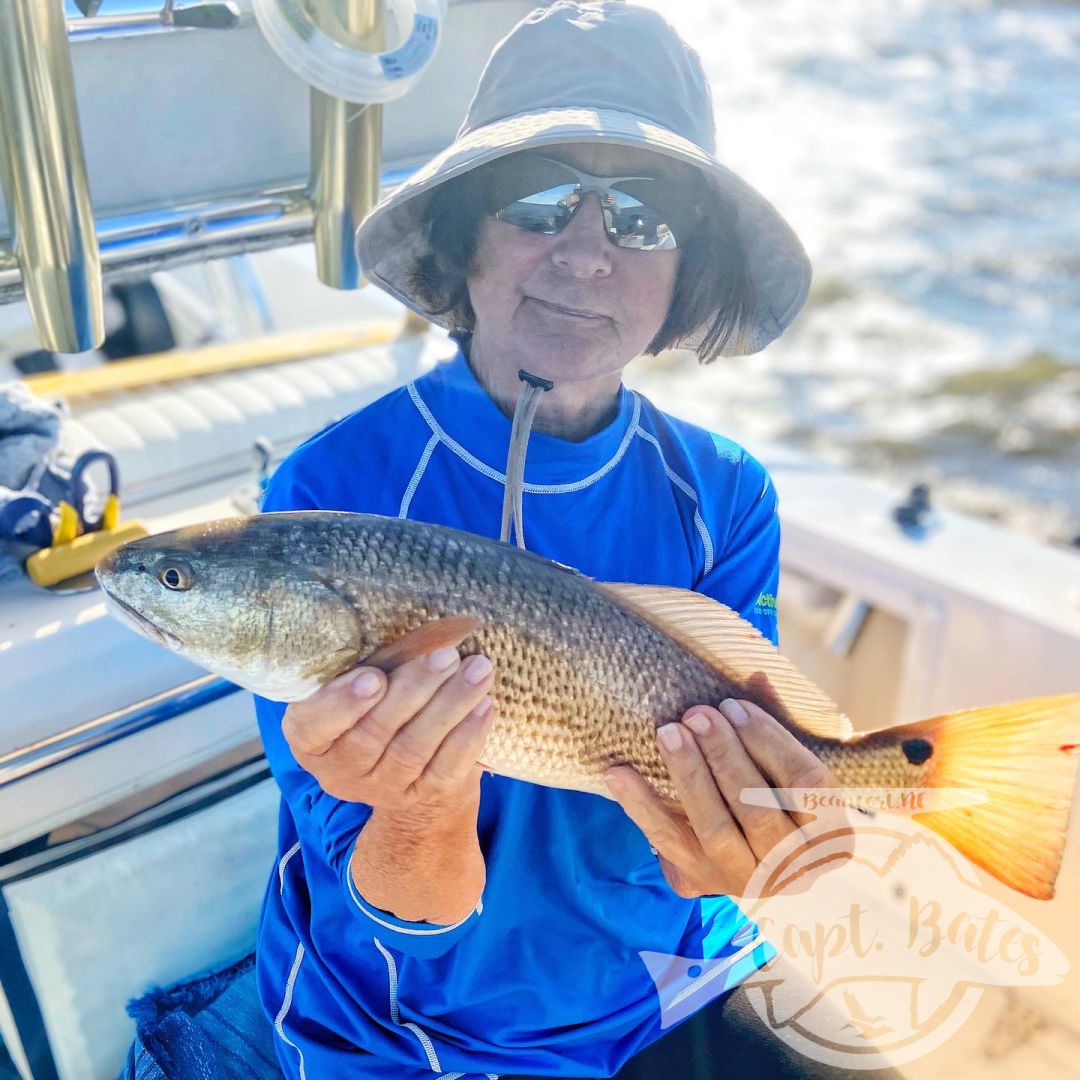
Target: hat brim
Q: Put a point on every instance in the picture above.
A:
(390, 240)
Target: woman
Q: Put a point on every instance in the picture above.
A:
(426, 918)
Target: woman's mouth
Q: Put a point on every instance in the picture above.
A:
(571, 313)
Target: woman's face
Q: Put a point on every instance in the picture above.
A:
(527, 288)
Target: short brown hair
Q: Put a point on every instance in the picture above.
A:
(713, 288)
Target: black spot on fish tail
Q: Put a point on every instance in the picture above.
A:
(916, 750)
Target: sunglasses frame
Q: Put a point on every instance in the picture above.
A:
(602, 185)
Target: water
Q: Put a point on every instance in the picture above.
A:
(927, 152)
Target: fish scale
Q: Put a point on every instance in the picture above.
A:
(568, 705)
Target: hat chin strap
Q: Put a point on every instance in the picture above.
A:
(524, 411)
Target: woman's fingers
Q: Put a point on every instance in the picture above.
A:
(710, 769)
(457, 756)
(367, 736)
(781, 758)
(414, 745)
(793, 767)
(712, 756)
(311, 727)
(643, 806)
(698, 871)
(411, 687)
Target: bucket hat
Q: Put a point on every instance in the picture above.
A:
(610, 72)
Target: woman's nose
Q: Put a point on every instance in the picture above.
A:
(583, 246)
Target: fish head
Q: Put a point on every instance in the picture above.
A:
(236, 598)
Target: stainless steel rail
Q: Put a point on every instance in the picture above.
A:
(133, 245)
(112, 727)
(346, 150)
(57, 258)
(44, 177)
(135, 18)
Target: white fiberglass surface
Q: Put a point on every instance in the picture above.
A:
(158, 908)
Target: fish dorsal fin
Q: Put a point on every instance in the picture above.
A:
(739, 652)
(433, 635)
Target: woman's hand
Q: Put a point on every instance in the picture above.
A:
(404, 743)
(712, 755)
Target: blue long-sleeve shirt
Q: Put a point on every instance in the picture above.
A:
(546, 975)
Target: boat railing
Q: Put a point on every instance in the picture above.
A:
(111, 727)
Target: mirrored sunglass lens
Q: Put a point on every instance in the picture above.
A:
(638, 226)
(636, 220)
(631, 222)
(543, 211)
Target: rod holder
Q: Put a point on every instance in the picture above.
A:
(346, 153)
(44, 177)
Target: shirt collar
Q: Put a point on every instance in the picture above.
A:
(467, 419)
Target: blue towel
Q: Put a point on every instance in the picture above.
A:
(36, 468)
(29, 430)
(209, 1028)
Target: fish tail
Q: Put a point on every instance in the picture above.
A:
(1024, 756)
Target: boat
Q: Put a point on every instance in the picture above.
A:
(137, 814)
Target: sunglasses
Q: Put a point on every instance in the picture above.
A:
(541, 195)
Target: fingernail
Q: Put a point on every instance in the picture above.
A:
(483, 708)
(698, 723)
(366, 684)
(477, 669)
(734, 712)
(441, 659)
(614, 782)
(670, 736)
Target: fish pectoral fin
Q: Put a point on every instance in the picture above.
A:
(737, 651)
(433, 635)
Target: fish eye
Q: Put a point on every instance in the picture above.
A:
(176, 575)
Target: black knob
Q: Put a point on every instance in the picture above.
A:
(915, 513)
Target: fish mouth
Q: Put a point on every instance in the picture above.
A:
(126, 613)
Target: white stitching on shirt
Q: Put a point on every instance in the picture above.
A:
(286, 1004)
(395, 1012)
(354, 893)
(417, 476)
(683, 486)
(532, 489)
(281, 865)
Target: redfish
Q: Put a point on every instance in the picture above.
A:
(586, 671)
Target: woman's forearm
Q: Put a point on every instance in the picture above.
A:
(423, 866)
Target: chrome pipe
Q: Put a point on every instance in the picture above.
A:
(44, 177)
(86, 21)
(134, 245)
(346, 151)
(112, 727)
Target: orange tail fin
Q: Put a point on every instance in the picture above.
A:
(1024, 756)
